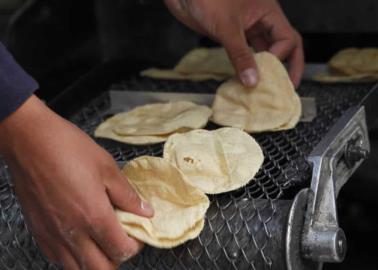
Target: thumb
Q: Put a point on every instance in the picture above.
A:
(240, 54)
(123, 195)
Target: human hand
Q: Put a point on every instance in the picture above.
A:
(67, 186)
(235, 23)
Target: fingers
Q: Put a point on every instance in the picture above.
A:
(67, 260)
(296, 65)
(234, 40)
(113, 241)
(258, 38)
(283, 48)
(87, 253)
(47, 251)
(122, 195)
(100, 244)
(57, 253)
(259, 43)
(175, 4)
(292, 50)
(286, 44)
(179, 9)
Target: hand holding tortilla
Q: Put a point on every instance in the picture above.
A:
(179, 207)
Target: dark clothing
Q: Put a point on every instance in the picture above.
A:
(15, 84)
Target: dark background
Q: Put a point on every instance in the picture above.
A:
(58, 41)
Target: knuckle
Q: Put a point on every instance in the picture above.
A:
(95, 219)
(110, 169)
(108, 163)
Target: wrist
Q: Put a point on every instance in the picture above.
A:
(24, 121)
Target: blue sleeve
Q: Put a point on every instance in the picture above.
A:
(16, 86)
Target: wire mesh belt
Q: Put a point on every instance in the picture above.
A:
(243, 228)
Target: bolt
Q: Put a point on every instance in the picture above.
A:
(353, 154)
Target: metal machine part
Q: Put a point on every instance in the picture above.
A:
(293, 244)
(334, 160)
(313, 235)
(256, 227)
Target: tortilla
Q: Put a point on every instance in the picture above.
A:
(153, 123)
(352, 61)
(296, 116)
(345, 78)
(270, 106)
(105, 130)
(215, 161)
(197, 65)
(206, 61)
(167, 74)
(161, 118)
(179, 207)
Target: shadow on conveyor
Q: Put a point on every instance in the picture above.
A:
(358, 206)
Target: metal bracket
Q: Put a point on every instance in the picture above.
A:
(334, 160)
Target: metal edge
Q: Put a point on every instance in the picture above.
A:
(293, 239)
(371, 109)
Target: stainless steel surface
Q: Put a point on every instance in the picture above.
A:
(334, 160)
(312, 69)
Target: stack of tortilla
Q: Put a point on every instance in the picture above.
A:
(194, 163)
(352, 65)
(180, 208)
(154, 123)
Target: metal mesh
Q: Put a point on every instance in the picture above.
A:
(245, 228)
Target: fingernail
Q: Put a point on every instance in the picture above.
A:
(147, 208)
(125, 257)
(249, 77)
